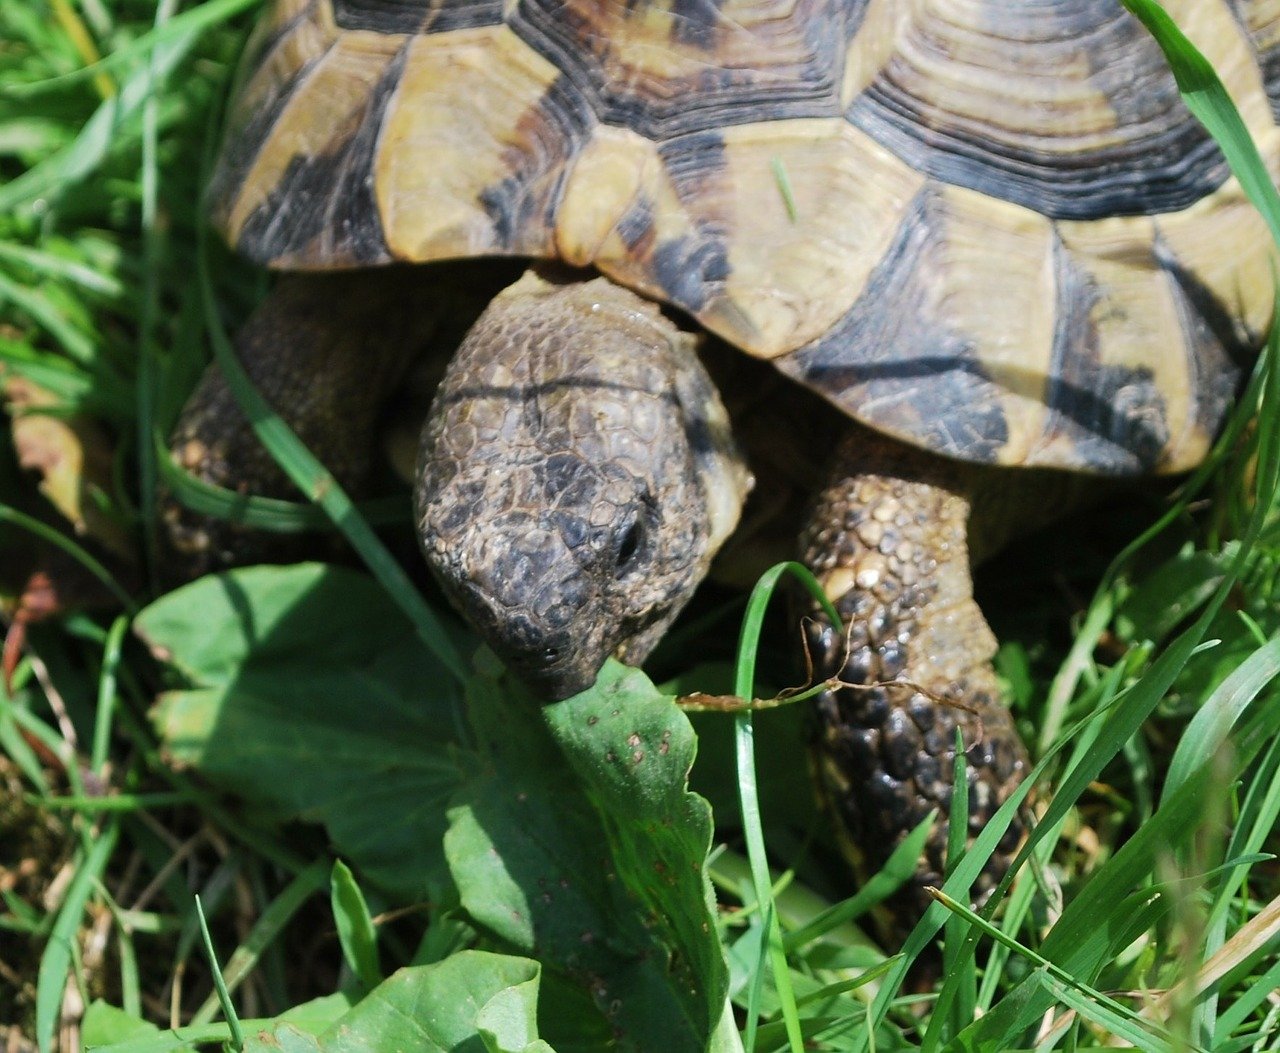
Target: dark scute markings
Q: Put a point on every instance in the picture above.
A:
(895, 363)
(248, 131)
(685, 267)
(1163, 175)
(694, 267)
(694, 158)
(264, 40)
(718, 97)
(416, 16)
(635, 228)
(329, 199)
(1114, 415)
(1269, 60)
(1222, 350)
(1166, 161)
(695, 22)
(552, 132)
(722, 98)
(1266, 55)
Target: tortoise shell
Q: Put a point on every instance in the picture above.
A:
(986, 227)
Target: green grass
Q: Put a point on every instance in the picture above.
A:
(347, 744)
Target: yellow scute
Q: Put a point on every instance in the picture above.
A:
(456, 114)
(603, 184)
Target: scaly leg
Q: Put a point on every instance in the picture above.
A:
(887, 539)
(326, 351)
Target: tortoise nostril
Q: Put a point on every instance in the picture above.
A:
(628, 547)
(534, 659)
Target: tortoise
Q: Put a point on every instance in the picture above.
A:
(987, 233)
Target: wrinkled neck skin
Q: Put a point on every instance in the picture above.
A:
(577, 475)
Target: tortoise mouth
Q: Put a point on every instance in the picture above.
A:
(555, 661)
(551, 668)
(551, 683)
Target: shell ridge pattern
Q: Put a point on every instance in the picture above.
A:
(560, 123)
(1122, 141)
(251, 122)
(330, 208)
(760, 164)
(919, 376)
(1261, 21)
(1084, 407)
(1259, 24)
(667, 68)
(1219, 348)
(435, 16)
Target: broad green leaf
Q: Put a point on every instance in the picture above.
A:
(311, 696)
(472, 1002)
(581, 845)
(319, 1014)
(572, 835)
(104, 1024)
(111, 1025)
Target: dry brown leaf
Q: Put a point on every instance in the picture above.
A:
(72, 456)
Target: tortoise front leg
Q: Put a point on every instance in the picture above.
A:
(326, 351)
(887, 540)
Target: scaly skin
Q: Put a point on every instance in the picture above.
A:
(892, 537)
(887, 540)
(326, 351)
(577, 475)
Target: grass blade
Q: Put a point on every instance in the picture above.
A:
(1210, 727)
(356, 933)
(1207, 98)
(92, 145)
(311, 477)
(220, 984)
(744, 737)
(55, 963)
(269, 924)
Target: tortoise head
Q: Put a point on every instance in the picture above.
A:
(577, 475)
